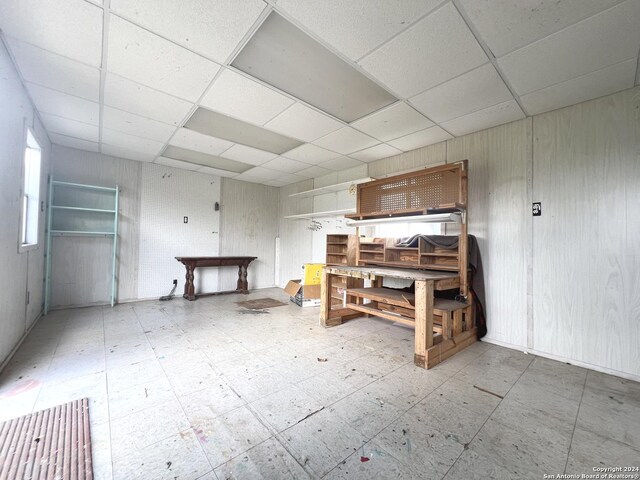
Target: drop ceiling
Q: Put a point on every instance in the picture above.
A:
(179, 83)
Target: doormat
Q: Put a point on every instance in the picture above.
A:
(261, 303)
(52, 443)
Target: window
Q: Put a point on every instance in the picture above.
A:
(30, 193)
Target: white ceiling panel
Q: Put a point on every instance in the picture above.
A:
(136, 125)
(217, 172)
(592, 85)
(64, 105)
(240, 97)
(311, 154)
(171, 162)
(314, 171)
(285, 165)
(131, 142)
(72, 28)
(141, 56)
(356, 27)
(436, 49)
(507, 25)
(250, 155)
(340, 163)
(376, 153)
(288, 178)
(304, 123)
(393, 122)
(259, 173)
(346, 140)
(212, 29)
(117, 151)
(422, 138)
(73, 142)
(602, 40)
(489, 117)
(474, 90)
(192, 140)
(133, 97)
(70, 128)
(55, 71)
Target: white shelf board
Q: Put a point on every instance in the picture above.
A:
(454, 217)
(330, 188)
(328, 213)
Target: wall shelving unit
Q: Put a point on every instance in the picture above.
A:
(78, 210)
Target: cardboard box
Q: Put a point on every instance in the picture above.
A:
(303, 295)
(312, 273)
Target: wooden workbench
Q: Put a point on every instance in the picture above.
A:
(191, 263)
(435, 339)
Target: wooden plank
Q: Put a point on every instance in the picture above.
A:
(457, 322)
(384, 295)
(325, 299)
(423, 320)
(380, 313)
(448, 348)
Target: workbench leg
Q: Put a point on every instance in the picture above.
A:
(189, 288)
(325, 302)
(457, 321)
(424, 321)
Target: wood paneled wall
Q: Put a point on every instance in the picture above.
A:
(249, 226)
(586, 252)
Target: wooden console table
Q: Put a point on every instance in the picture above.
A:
(191, 263)
(434, 341)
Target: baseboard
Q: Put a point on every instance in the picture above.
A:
(13, 351)
(577, 363)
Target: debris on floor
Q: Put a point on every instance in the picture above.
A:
(261, 303)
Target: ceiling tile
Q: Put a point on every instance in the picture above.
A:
(250, 155)
(592, 85)
(340, 163)
(311, 154)
(288, 178)
(357, 26)
(72, 142)
(131, 142)
(422, 138)
(506, 25)
(64, 105)
(199, 142)
(304, 123)
(436, 49)
(135, 125)
(117, 151)
(259, 174)
(393, 122)
(376, 153)
(217, 172)
(474, 90)
(72, 28)
(132, 97)
(275, 183)
(285, 165)
(602, 40)
(141, 56)
(212, 29)
(489, 117)
(314, 171)
(55, 71)
(346, 140)
(70, 128)
(170, 162)
(238, 96)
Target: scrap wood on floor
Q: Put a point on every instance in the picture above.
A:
(261, 303)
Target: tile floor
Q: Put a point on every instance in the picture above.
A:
(207, 390)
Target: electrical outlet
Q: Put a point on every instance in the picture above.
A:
(185, 219)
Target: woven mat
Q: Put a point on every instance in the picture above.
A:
(50, 444)
(261, 303)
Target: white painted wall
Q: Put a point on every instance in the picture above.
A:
(167, 196)
(22, 272)
(249, 226)
(153, 201)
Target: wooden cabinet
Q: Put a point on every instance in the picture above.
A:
(341, 249)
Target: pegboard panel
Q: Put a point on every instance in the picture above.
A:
(414, 192)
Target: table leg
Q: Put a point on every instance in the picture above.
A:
(424, 321)
(325, 300)
(189, 289)
(245, 282)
